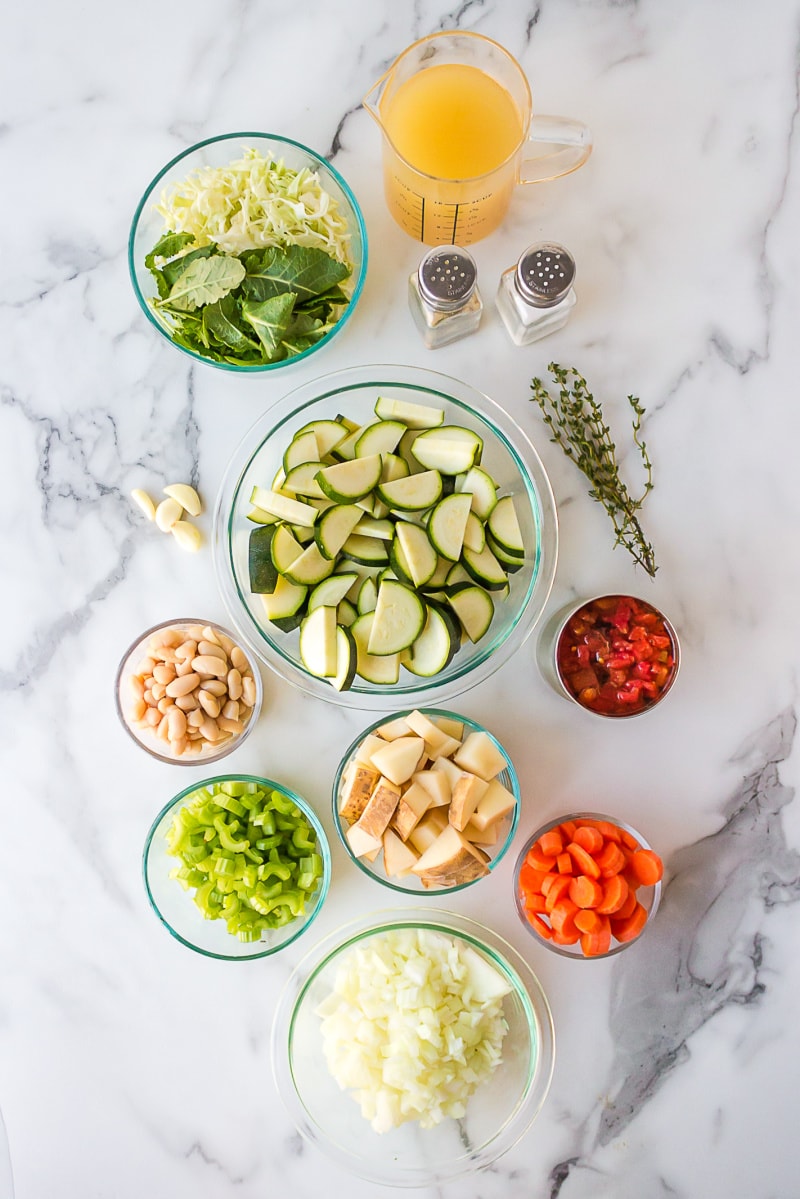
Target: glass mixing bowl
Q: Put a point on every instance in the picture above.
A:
(498, 1112)
(148, 226)
(509, 458)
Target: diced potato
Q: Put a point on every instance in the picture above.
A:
(380, 808)
(426, 832)
(411, 807)
(496, 803)
(453, 728)
(398, 858)
(437, 743)
(466, 794)
(487, 836)
(479, 755)
(394, 729)
(357, 786)
(450, 860)
(437, 784)
(367, 748)
(398, 760)
(448, 768)
(361, 843)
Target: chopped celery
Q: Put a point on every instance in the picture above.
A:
(221, 837)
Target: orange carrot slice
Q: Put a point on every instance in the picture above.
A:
(583, 860)
(540, 926)
(615, 892)
(647, 866)
(586, 893)
(552, 843)
(539, 860)
(627, 907)
(630, 927)
(567, 829)
(564, 863)
(559, 889)
(588, 921)
(610, 859)
(562, 917)
(596, 944)
(588, 838)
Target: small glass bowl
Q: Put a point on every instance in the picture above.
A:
(508, 456)
(499, 1112)
(411, 884)
(648, 897)
(146, 737)
(547, 650)
(148, 226)
(176, 908)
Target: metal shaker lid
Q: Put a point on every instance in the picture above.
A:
(447, 277)
(545, 273)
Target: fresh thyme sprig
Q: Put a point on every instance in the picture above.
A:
(576, 423)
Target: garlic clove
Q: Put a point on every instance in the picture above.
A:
(143, 501)
(187, 536)
(186, 496)
(167, 513)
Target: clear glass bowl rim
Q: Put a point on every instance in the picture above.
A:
(229, 746)
(533, 476)
(257, 369)
(305, 808)
(396, 886)
(567, 951)
(529, 991)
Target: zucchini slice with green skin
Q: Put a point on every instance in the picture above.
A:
(418, 557)
(373, 669)
(302, 480)
(483, 490)
(414, 416)
(368, 526)
(284, 507)
(333, 528)
(366, 551)
(259, 517)
(346, 659)
(474, 608)
(379, 438)
(318, 643)
(439, 576)
(474, 533)
(405, 451)
(285, 549)
(398, 563)
(310, 568)
(504, 527)
(262, 570)
(346, 613)
(367, 596)
(484, 569)
(329, 433)
(414, 493)
(345, 450)
(434, 648)
(447, 525)
(303, 448)
(349, 481)
(331, 591)
(286, 604)
(450, 449)
(506, 560)
(457, 575)
(399, 619)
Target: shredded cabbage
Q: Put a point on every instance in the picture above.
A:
(413, 1026)
(253, 202)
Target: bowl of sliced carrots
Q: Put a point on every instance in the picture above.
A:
(587, 885)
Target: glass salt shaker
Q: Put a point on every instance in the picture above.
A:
(536, 296)
(443, 296)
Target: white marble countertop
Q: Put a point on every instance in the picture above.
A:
(128, 1064)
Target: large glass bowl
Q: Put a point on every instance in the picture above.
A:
(509, 458)
(498, 1113)
(410, 884)
(148, 226)
(176, 909)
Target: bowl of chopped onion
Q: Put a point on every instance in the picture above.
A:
(248, 251)
(413, 1047)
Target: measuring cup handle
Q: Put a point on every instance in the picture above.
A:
(555, 146)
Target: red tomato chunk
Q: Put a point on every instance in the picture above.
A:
(616, 655)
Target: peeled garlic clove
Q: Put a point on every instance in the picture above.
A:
(167, 513)
(186, 496)
(187, 536)
(143, 501)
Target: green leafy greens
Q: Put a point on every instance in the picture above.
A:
(576, 422)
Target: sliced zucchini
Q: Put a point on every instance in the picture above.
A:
(474, 533)
(399, 619)
(457, 575)
(285, 606)
(302, 449)
(483, 490)
(504, 527)
(367, 596)
(284, 507)
(262, 570)
(447, 525)
(474, 608)
(318, 643)
(394, 467)
(346, 659)
(285, 549)
(345, 450)
(506, 560)
(439, 576)
(302, 480)
(369, 666)
(346, 613)
(434, 648)
(366, 551)
(414, 416)
(310, 567)
(302, 535)
(450, 449)
(379, 438)
(406, 452)
(349, 481)
(418, 558)
(329, 434)
(368, 526)
(414, 493)
(259, 517)
(398, 564)
(334, 527)
(484, 569)
(331, 591)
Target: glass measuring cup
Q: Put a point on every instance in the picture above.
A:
(458, 136)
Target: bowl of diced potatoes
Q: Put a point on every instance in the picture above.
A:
(426, 802)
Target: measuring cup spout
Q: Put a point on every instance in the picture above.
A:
(373, 98)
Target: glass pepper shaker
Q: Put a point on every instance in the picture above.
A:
(536, 296)
(443, 296)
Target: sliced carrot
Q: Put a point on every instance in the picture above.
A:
(615, 892)
(534, 902)
(588, 838)
(539, 860)
(567, 829)
(540, 926)
(609, 831)
(551, 843)
(596, 944)
(564, 863)
(628, 839)
(562, 917)
(583, 860)
(610, 859)
(629, 928)
(627, 907)
(647, 866)
(631, 878)
(585, 892)
(588, 921)
(565, 938)
(548, 881)
(557, 891)
(529, 878)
